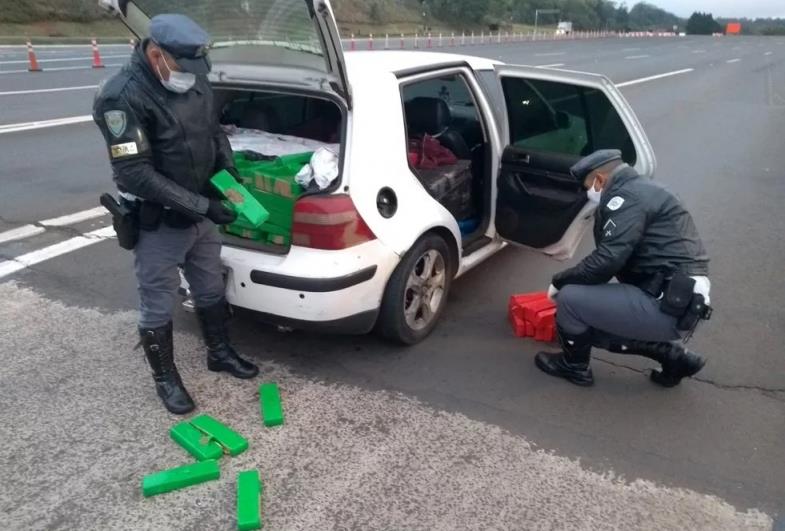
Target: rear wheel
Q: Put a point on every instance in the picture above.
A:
(417, 292)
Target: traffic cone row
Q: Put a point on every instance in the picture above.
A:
(533, 315)
(35, 67)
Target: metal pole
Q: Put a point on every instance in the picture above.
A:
(536, 20)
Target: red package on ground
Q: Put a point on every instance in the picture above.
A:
(544, 317)
(533, 315)
(531, 309)
(519, 326)
(523, 299)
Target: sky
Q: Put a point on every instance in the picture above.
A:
(724, 8)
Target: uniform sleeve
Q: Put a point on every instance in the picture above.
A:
(623, 227)
(224, 158)
(124, 129)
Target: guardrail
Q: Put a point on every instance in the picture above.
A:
(427, 41)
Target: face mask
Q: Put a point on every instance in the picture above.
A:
(593, 195)
(179, 82)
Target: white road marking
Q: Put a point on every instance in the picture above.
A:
(630, 49)
(20, 233)
(62, 59)
(24, 261)
(29, 126)
(14, 72)
(698, 51)
(733, 61)
(551, 54)
(637, 56)
(653, 78)
(39, 91)
(555, 65)
(768, 53)
(78, 217)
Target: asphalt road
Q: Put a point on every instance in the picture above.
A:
(461, 431)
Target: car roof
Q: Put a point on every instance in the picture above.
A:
(399, 61)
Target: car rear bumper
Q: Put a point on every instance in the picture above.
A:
(335, 291)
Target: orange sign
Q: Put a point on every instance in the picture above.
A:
(733, 28)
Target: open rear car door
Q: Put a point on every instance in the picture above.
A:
(554, 118)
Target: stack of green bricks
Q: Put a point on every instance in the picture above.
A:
(207, 440)
(273, 184)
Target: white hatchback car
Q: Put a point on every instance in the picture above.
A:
(380, 247)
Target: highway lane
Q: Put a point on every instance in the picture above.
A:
(716, 134)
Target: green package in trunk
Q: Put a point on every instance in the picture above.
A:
(248, 209)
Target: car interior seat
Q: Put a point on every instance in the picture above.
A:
(431, 116)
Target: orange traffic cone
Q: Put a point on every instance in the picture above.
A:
(96, 56)
(31, 56)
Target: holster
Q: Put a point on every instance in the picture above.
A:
(696, 311)
(677, 294)
(124, 221)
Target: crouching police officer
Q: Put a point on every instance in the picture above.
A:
(648, 241)
(165, 144)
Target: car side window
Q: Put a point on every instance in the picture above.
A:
(443, 107)
(563, 119)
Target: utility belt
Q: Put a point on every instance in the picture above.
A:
(130, 216)
(676, 292)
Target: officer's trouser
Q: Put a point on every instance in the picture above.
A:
(158, 256)
(621, 310)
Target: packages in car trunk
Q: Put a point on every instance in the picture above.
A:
(272, 183)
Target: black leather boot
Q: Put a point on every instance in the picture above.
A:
(572, 363)
(677, 362)
(220, 354)
(159, 349)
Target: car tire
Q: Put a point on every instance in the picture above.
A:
(417, 291)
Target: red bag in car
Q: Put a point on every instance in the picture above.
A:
(427, 152)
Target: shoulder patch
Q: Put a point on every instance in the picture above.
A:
(615, 203)
(116, 122)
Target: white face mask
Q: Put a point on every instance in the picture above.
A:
(593, 195)
(179, 82)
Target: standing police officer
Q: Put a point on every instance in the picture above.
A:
(648, 241)
(165, 143)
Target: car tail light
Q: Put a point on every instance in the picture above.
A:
(329, 222)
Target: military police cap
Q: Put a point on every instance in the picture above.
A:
(598, 159)
(184, 39)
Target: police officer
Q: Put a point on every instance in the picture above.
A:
(648, 241)
(165, 144)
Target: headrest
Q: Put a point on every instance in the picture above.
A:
(427, 116)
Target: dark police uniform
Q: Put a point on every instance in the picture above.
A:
(164, 147)
(643, 235)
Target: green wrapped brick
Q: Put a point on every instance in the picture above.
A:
(180, 477)
(230, 440)
(195, 442)
(249, 502)
(270, 404)
(247, 207)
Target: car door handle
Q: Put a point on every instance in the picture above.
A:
(523, 159)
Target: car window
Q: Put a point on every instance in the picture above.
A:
(461, 129)
(563, 119)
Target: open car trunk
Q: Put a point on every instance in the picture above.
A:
(274, 137)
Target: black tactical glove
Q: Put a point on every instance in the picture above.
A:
(219, 214)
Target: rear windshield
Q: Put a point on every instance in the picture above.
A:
(284, 23)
